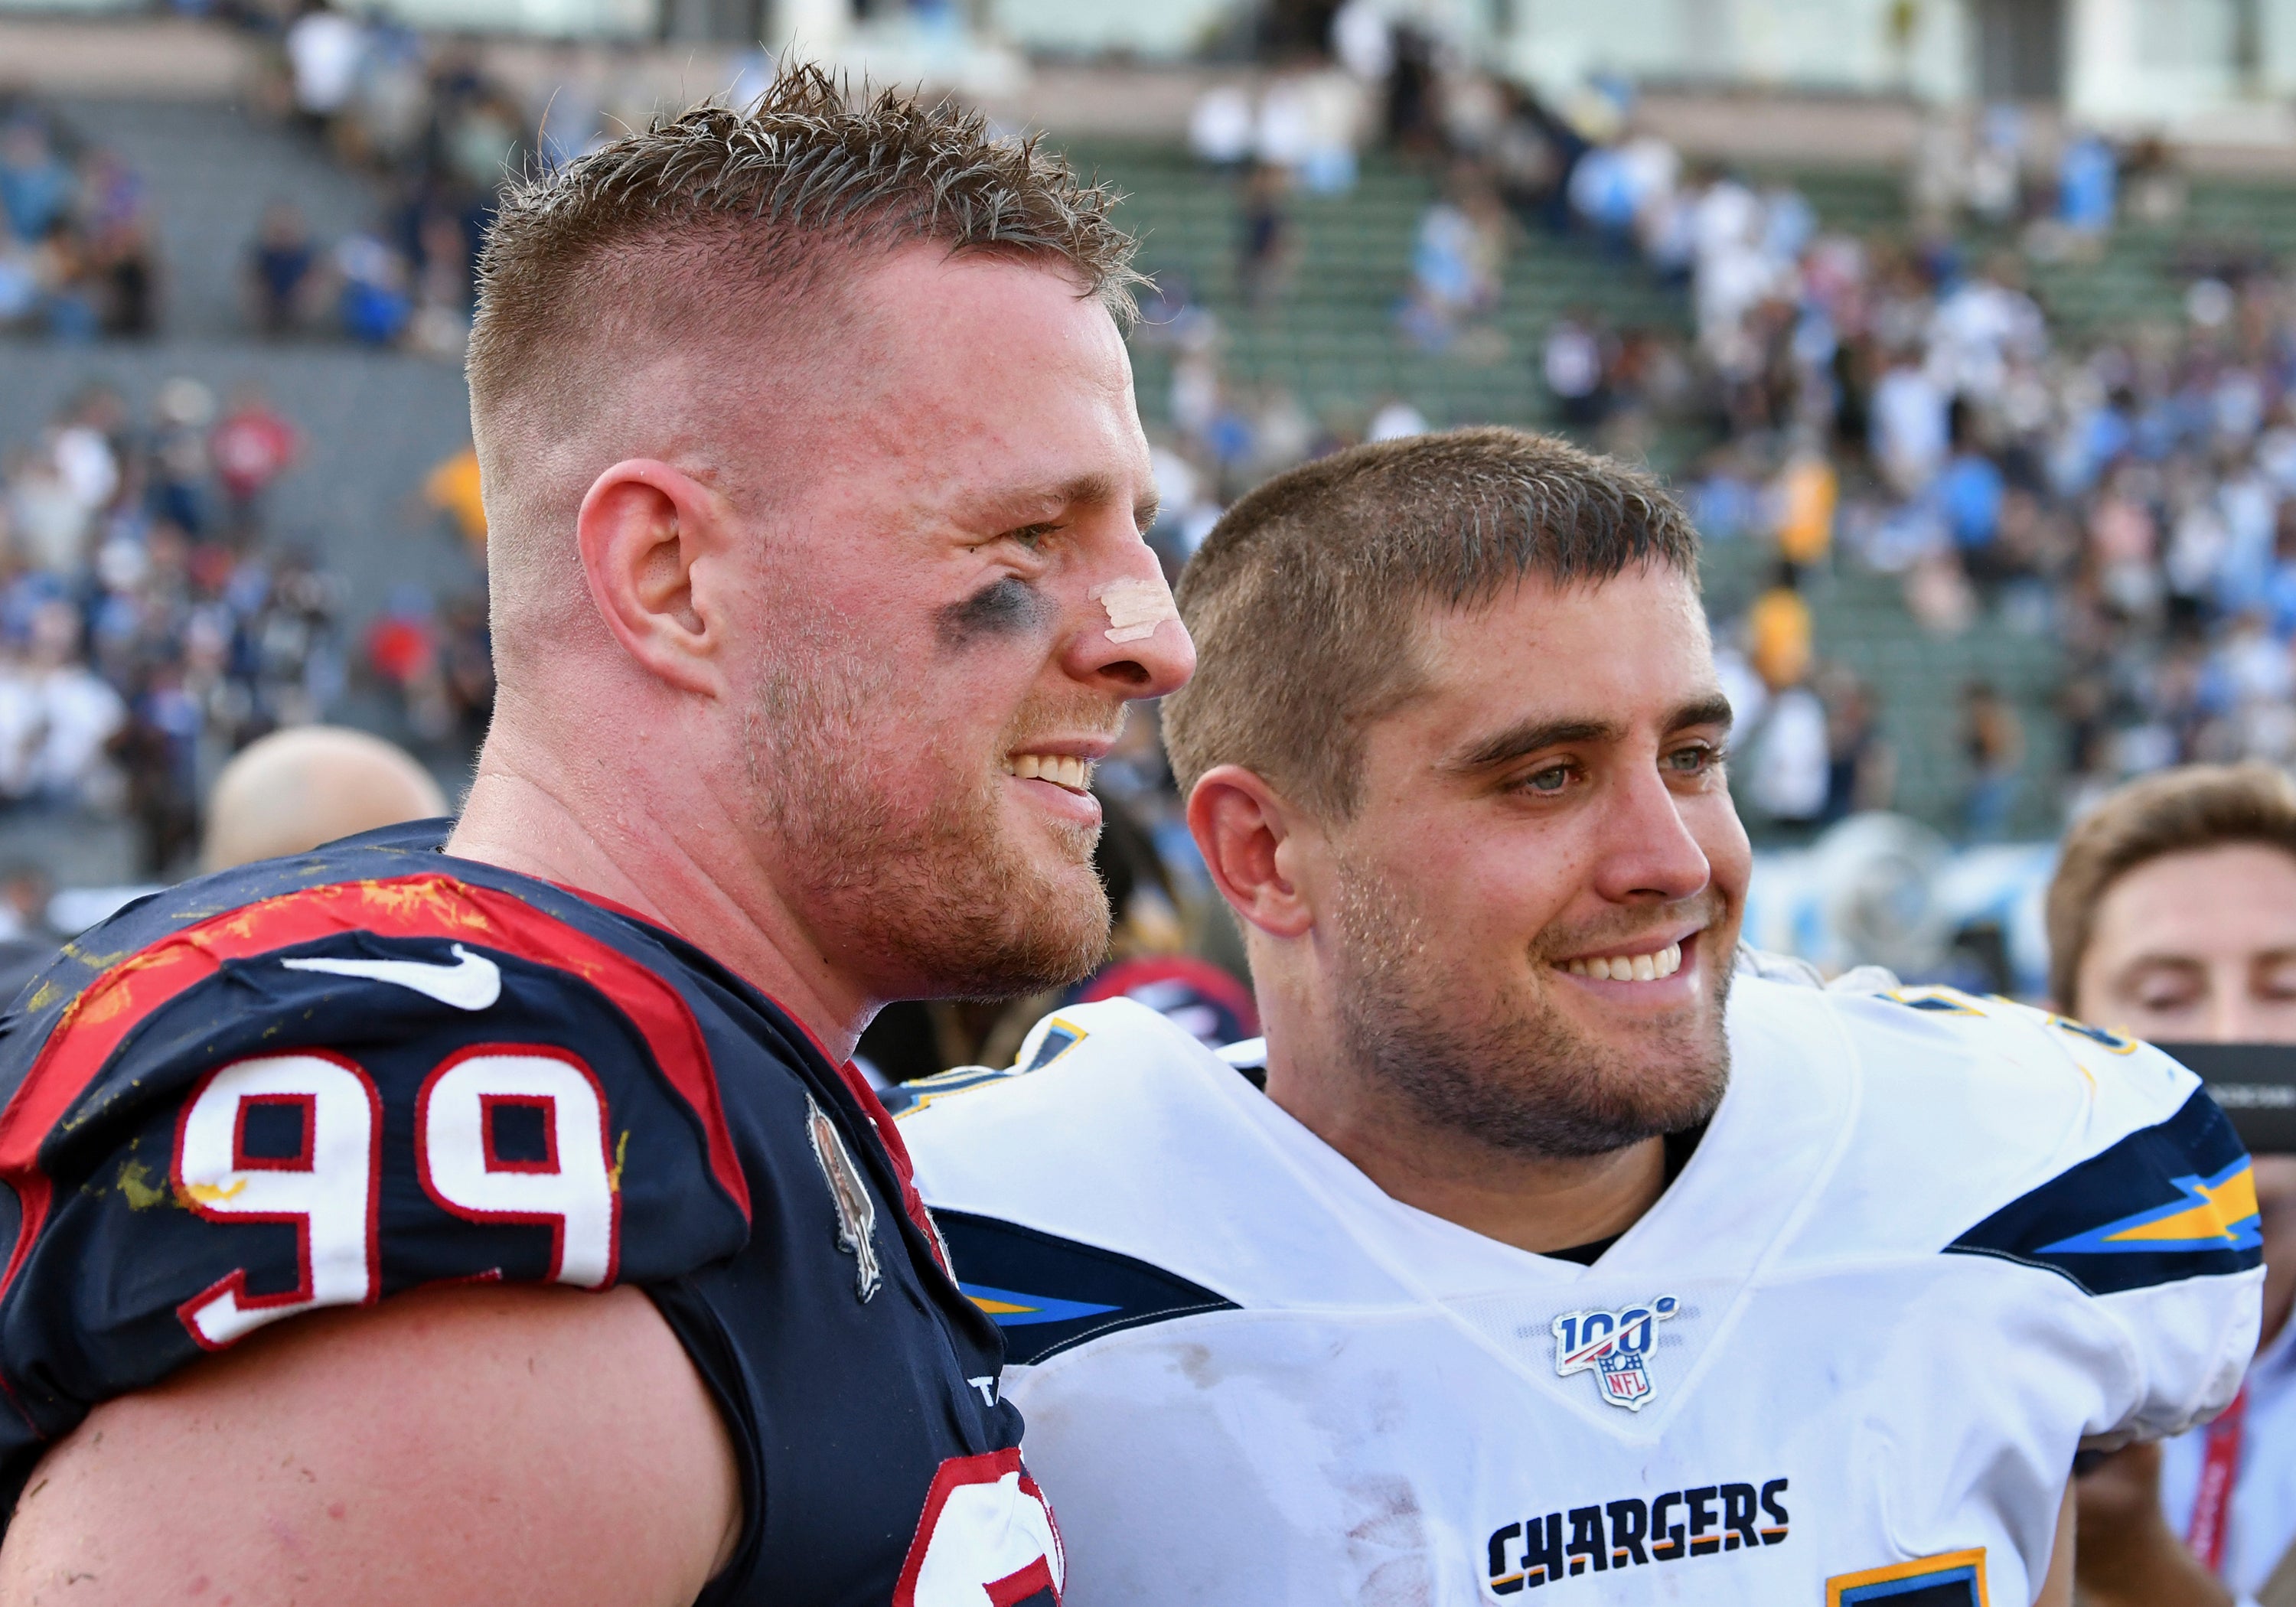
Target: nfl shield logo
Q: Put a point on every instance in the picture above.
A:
(1613, 1345)
(1625, 1380)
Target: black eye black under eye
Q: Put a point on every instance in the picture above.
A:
(1009, 606)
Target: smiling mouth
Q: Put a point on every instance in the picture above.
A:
(1062, 769)
(1628, 968)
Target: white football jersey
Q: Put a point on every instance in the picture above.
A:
(1928, 1246)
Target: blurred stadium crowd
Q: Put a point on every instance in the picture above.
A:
(78, 256)
(153, 623)
(147, 629)
(1895, 398)
(1842, 398)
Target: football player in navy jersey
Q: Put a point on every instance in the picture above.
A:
(486, 1211)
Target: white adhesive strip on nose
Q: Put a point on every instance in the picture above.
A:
(1135, 608)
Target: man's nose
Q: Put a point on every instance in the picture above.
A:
(1648, 851)
(1131, 641)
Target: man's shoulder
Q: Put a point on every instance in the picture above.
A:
(378, 938)
(388, 885)
(1115, 1177)
(323, 1081)
(1998, 1129)
(1079, 1052)
(1096, 1099)
(1932, 1055)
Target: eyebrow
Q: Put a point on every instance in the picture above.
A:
(1534, 736)
(1002, 507)
(2152, 960)
(2157, 957)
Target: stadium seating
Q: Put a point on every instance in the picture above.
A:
(377, 421)
(1331, 336)
(374, 421)
(1332, 340)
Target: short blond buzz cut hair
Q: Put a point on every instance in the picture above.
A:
(2184, 810)
(1306, 600)
(720, 225)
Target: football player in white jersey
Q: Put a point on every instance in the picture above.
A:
(1530, 1253)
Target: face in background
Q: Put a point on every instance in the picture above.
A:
(2196, 946)
(1535, 906)
(2201, 947)
(958, 605)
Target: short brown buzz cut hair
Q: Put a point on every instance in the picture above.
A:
(2180, 811)
(1306, 600)
(719, 209)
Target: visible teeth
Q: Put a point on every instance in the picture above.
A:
(1629, 968)
(1062, 769)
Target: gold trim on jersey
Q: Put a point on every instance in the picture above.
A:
(1849, 1589)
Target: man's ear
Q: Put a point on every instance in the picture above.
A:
(652, 536)
(1251, 840)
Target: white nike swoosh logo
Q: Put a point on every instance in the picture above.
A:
(473, 982)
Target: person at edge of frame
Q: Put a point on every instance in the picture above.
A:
(2172, 915)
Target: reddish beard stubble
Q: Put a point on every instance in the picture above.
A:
(929, 894)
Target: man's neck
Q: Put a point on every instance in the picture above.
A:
(521, 818)
(1538, 1203)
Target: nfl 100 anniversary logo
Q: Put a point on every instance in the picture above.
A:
(1613, 1345)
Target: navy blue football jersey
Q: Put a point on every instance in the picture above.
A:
(320, 1081)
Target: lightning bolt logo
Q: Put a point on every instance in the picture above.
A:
(2215, 1213)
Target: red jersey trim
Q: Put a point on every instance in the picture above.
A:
(1046, 1573)
(889, 1132)
(94, 1025)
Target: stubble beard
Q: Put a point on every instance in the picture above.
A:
(1500, 1066)
(930, 897)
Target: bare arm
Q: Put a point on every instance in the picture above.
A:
(2057, 1588)
(459, 1446)
(2128, 1555)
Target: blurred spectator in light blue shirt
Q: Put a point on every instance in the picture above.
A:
(35, 185)
(2088, 182)
(1970, 489)
(374, 303)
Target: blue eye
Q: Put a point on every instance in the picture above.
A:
(1550, 781)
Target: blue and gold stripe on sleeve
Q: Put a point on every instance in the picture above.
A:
(1049, 1293)
(2168, 1202)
